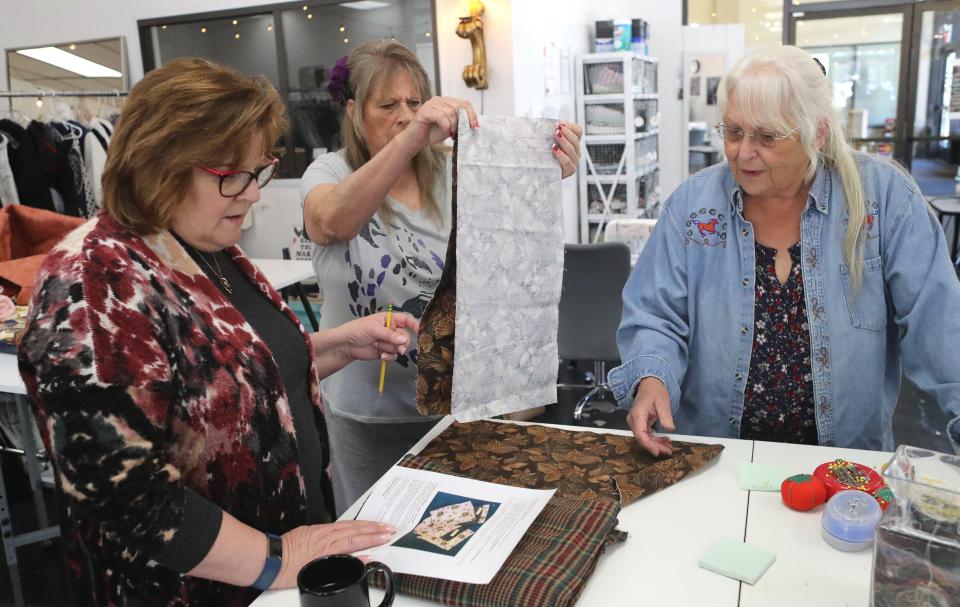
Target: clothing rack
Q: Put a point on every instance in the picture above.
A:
(114, 93)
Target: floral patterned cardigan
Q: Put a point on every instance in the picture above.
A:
(146, 381)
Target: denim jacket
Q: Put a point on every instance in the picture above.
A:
(688, 307)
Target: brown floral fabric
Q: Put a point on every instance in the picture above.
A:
(577, 464)
(549, 566)
(436, 338)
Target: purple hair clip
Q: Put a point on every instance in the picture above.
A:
(339, 86)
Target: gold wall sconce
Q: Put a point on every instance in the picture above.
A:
(471, 28)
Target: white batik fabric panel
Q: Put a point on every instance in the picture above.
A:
(509, 267)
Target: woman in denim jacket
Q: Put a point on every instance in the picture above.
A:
(785, 291)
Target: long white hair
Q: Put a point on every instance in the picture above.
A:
(782, 88)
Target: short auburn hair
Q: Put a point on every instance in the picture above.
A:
(187, 113)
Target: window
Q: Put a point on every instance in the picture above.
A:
(295, 46)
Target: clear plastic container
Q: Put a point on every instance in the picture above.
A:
(850, 519)
(916, 556)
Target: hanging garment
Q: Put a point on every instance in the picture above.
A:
(54, 154)
(95, 146)
(8, 186)
(27, 170)
(500, 289)
(594, 475)
(72, 135)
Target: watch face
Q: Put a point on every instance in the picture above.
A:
(695, 66)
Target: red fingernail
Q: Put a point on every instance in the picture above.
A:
(556, 148)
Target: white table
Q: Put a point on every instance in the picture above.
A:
(807, 571)
(284, 272)
(671, 529)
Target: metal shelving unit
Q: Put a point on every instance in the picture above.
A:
(618, 105)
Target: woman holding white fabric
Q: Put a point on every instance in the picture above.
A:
(379, 213)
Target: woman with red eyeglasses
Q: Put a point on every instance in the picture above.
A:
(176, 393)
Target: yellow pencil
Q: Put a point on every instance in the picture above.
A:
(383, 363)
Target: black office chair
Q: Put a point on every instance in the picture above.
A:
(302, 294)
(590, 307)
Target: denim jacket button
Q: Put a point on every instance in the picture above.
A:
(744, 330)
(738, 376)
(745, 232)
(746, 282)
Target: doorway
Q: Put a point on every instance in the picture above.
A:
(895, 68)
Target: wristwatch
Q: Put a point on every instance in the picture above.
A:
(271, 567)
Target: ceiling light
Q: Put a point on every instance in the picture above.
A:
(70, 62)
(365, 5)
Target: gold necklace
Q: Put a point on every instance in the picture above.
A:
(223, 279)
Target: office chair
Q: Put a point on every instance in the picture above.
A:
(590, 307)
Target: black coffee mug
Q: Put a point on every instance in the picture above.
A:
(340, 580)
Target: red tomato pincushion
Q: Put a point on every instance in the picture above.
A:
(803, 492)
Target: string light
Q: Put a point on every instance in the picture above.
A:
(305, 7)
(236, 36)
(269, 28)
(235, 22)
(39, 102)
(73, 47)
(163, 27)
(309, 15)
(427, 34)
(203, 30)
(346, 40)
(343, 28)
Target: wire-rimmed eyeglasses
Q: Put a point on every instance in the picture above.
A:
(234, 183)
(734, 134)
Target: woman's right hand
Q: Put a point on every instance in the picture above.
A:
(651, 404)
(436, 120)
(309, 542)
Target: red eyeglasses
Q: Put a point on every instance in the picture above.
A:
(234, 183)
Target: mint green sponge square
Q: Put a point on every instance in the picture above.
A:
(737, 560)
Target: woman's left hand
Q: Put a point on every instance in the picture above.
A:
(566, 146)
(368, 338)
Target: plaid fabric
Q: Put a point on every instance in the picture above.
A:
(550, 565)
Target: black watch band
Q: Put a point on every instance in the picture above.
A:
(271, 567)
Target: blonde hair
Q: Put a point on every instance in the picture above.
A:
(782, 88)
(189, 112)
(372, 65)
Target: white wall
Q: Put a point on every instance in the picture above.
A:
(570, 24)
(515, 32)
(455, 53)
